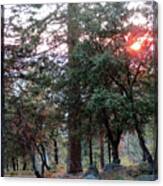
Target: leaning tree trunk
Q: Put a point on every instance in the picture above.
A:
(44, 157)
(143, 146)
(32, 148)
(144, 157)
(36, 172)
(74, 141)
(42, 152)
(142, 143)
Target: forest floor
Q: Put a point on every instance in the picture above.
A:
(124, 173)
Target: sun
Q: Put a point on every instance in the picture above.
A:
(136, 46)
(140, 44)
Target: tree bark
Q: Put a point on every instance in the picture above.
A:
(143, 146)
(90, 151)
(144, 157)
(102, 148)
(44, 157)
(115, 153)
(55, 152)
(114, 137)
(36, 172)
(2, 93)
(155, 169)
(24, 165)
(74, 161)
(17, 164)
(145, 150)
(7, 165)
(42, 152)
(109, 149)
(13, 164)
(74, 147)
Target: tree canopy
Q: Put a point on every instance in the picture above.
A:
(78, 79)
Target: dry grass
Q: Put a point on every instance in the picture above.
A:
(119, 174)
(122, 173)
(20, 173)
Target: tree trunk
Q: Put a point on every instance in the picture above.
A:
(109, 149)
(155, 169)
(44, 157)
(144, 157)
(102, 149)
(114, 137)
(42, 152)
(115, 153)
(7, 165)
(90, 151)
(36, 172)
(74, 161)
(17, 164)
(146, 152)
(74, 147)
(13, 164)
(24, 165)
(2, 93)
(143, 146)
(55, 151)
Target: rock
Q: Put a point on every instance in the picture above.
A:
(147, 178)
(112, 166)
(91, 177)
(145, 168)
(93, 169)
(92, 173)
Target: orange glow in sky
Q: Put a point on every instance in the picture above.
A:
(136, 46)
(141, 43)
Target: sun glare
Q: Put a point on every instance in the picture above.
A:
(141, 43)
(136, 46)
